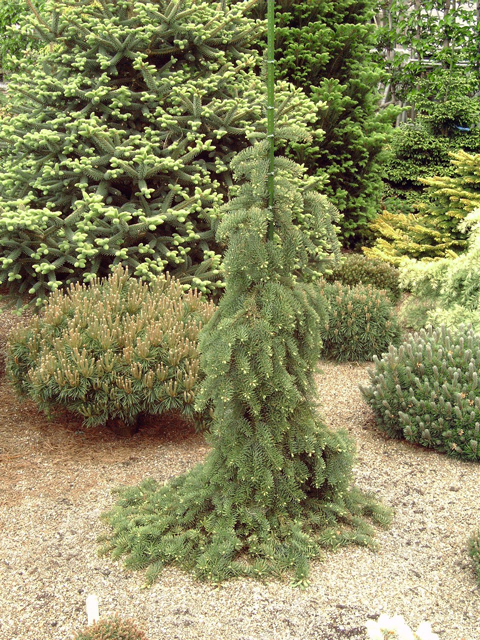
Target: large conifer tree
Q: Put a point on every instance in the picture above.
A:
(118, 140)
(325, 47)
(276, 486)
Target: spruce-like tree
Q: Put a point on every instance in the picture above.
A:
(326, 47)
(276, 487)
(118, 141)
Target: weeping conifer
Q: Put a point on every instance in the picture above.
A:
(275, 488)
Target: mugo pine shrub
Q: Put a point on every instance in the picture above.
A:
(361, 323)
(356, 269)
(113, 349)
(119, 146)
(427, 391)
(112, 629)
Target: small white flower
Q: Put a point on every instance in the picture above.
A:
(401, 628)
(387, 624)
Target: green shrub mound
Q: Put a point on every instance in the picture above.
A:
(474, 552)
(356, 269)
(112, 349)
(427, 391)
(119, 139)
(112, 629)
(362, 323)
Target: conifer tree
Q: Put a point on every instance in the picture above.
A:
(119, 139)
(435, 231)
(326, 47)
(276, 487)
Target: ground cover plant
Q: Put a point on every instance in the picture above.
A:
(426, 391)
(361, 323)
(119, 139)
(474, 551)
(113, 350)
(112, 629)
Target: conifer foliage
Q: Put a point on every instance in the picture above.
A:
(112, 350)
(276, 487)
(326, 48)
(436, 231)
(119, 140)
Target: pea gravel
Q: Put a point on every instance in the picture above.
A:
(56, 480)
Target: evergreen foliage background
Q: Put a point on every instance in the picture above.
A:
(15, 41)
(435, 231)
(447, 114)
(118, 141)
(326, 48)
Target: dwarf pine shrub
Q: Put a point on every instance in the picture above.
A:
(112, 629)
(120, 136)
(427, 391)
(356, 269)
(112, 349)
(361, 323)
(474, 552)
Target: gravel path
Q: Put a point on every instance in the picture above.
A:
(56, 480)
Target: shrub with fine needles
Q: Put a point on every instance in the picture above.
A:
(362, 323)
(113, 349)
(427, 391)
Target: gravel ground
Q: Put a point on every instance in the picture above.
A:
(57, 479)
